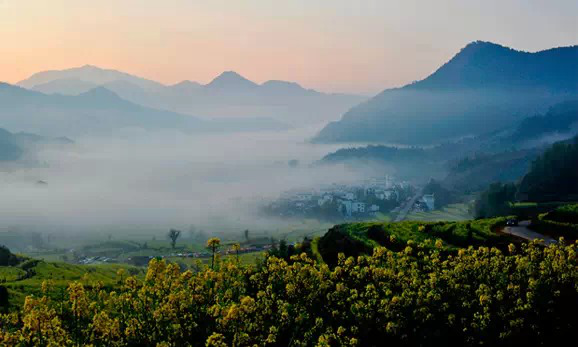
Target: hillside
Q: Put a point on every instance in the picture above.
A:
(13, 146)
(474, 173)
(9, 148)
(485, 87)
(98, 110)
(554, 175)
(361, 238)
(228, 95)
(27, 277)
(471, 164)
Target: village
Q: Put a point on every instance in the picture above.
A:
(358, 200)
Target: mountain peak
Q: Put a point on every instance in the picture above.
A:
(484, 48)
(90, 67)
(231, 80)
(482, 64)
(186, 84)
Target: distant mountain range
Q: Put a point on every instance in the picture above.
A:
(96, 111)
(483, 88)
(99, 111)
(229, 95)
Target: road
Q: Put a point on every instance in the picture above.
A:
(405, 210)
(524, 232)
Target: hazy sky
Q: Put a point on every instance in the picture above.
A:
(333, 45)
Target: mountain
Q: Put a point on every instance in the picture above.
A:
(98, 110)
(185, 87)
(9, 148)
(14, 145)
(87, 74)
(559, 123)
(554, 175)
(227, 96)
(469, 164)
(483, 88)
(231, 82)
(65, 86)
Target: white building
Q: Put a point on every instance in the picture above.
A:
(349, 196)
(386, 194)
(358, 207)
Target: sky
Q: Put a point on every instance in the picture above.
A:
(357, 46)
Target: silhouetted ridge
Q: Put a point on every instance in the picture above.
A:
(231, 79)
(483, 88)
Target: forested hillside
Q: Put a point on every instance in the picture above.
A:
(554, 175)
(483, 88)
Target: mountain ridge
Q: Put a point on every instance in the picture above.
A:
(228, 95)
(482, 88)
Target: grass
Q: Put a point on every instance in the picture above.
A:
(244, 258)
(315, 249)
(11, 273)
(358, 238)
(561, 222)
(564, 214)
(527, 210)
(26, 278)
(452, 213)
(383, 217)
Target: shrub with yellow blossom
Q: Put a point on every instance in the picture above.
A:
(419, 295)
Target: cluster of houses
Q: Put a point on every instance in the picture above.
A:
(95, 260)
(362, 199)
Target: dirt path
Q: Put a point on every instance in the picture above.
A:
(407, 207)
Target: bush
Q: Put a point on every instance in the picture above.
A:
(564, 214)
(419, 296)
(7, 258)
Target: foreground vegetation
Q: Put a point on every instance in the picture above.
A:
(26, 278)
(361, 238)
(421, 295)
(561, 222)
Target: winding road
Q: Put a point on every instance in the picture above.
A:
(522, 231)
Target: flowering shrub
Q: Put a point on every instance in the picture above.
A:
(421, 295)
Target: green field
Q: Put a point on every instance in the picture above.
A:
(360, 238)
(27, 277)
(451, 213)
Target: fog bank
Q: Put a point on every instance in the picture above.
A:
(161, 180)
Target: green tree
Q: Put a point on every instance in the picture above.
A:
(174, 235)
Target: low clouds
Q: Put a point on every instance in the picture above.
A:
(159, 180)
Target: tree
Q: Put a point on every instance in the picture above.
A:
(6, 257)
(213, 244)
(554, 175)
(174, 235)
(237, 249)
(495, 201)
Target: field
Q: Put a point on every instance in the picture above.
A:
(27, 277)
(360, 238)
(451, 213)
